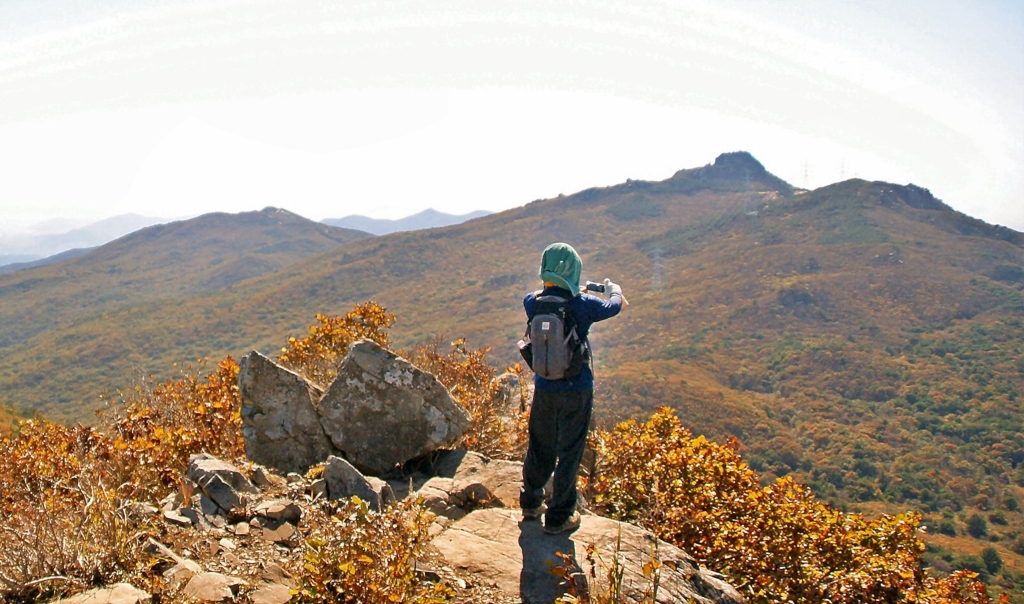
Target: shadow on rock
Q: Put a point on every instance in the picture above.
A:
(540, 581)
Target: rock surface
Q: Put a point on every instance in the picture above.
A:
(497, 546)
(212, 587)
(382, 410)
(279, 419)
(120, 593)
(282, 510)
(344, 481)
(478, 481)
(221, 482)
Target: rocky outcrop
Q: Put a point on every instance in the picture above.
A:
(382, 410)
(487, 553)
(279, 419)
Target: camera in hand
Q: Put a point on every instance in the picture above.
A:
(595, 287)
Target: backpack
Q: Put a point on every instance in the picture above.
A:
(554, 351)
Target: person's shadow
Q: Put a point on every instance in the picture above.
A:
(539, 583)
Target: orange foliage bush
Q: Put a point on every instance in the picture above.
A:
(65, 511)
(159, 427)
(356, 555)
(318, 355)
(777, 543)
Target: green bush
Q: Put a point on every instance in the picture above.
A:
(991, 558)
(946, 527)
(977, 527)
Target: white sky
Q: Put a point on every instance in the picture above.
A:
(173, 108)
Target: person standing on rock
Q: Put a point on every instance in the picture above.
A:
(561, 409)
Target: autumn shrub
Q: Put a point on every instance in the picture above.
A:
(776, 544)
(961, 587)
(354, 555)
(497, 428)
(159, 426)
(318, 355)
(607, 582)
(66, 511)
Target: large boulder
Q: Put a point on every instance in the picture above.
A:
(279, 419)
(382, 410)
(499, 548)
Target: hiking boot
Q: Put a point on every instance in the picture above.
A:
(571, 524)
(533, 513)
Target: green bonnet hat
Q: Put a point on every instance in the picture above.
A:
(561, 265)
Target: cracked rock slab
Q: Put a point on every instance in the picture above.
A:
(498, 547)
(280, 424)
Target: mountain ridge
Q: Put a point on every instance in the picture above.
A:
(427, 219)
(42, 246)
(167, 260)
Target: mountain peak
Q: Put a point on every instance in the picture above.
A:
(738, 163)
(736, 171)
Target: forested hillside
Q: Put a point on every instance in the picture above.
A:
(59, 339)
(863, 337)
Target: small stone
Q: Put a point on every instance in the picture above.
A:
(217, 521)
(169, 503)
(227, 544)
(275, 573)
(231, 559)
(293, 477)
(263, 479)
(285, 533)
(182, 571)
(344, 481)
(176, 518)
(144, 509)
(189, 513)
(319, 488)
(212, 587)
(284, 510)
(242, 528)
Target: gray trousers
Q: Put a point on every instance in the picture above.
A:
(558, 435)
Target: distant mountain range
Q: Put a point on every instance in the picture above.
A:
(27, 250)
(427, 219)
(863, 336)
(29, 247)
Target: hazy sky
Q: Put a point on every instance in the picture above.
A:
(384, 108)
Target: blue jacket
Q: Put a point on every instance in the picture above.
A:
(588, 309)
